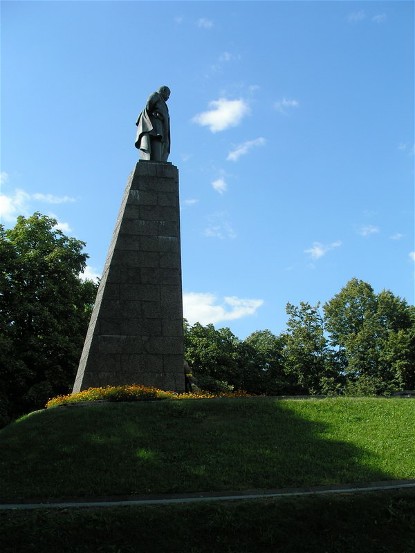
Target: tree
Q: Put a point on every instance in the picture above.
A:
(306, 354)
(44, 312)
(397, 353)
(261, 363)
(374, 334)
(212, 354)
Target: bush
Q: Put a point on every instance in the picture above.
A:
(37, 395)
(368, 385)
(4, 410)
(210, 384)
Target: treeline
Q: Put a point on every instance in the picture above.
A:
(358, 343)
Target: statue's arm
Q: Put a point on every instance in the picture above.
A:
(151, 106)
(151, 102)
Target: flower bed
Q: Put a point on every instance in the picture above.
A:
(134, 392)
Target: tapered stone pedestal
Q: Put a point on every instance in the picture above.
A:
(135, 335)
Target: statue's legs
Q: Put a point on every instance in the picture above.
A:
(153, 149)
(144, 154)
(165, 153)
(156, 149)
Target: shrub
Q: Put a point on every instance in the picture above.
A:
(368, 385)
(4, 410)
(210, 384)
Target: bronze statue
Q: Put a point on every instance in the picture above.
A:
(153, 127)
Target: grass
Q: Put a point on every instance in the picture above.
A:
(337, 524)
(211, 444)
(205, 445)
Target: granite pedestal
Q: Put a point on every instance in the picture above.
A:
(135, 335)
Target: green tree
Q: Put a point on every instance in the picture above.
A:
(44, 312)
(398, 358)
(212, 355)
(261, 364)
(374, 335)
(397, 351)
(306, 354)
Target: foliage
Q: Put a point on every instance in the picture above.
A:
(358, 343)
(364, 386)
(44, 312)
(374, 335)
(219, 361)
(306, 354)
(261, 363)
(211, 353)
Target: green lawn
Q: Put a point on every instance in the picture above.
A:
(205, 445)
(370, 523)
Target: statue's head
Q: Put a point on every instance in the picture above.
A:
(164, 91)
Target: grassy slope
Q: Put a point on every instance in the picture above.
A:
(205, 445)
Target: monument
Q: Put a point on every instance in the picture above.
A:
(135, 335)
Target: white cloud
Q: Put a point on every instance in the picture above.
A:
(64, 227)
(355, 17)
(204, 23)
(51, 199)
(408, 148)
(4, 177)
(412, 255)
(283, 105)
(13, 205)
(90, 273)
(222, 115)
(368, 230)
(226, 56)
(191, 201)
(319, 250)
(220, 185)
(396, 236)
(185, 157)
(244, 148)
(19, 203)
(219, 226)
(205, 308)
(222, 231)
(379, 18)
(218, 67)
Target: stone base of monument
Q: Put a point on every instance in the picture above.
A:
(135, 335)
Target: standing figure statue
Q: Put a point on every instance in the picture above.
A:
(153, 127)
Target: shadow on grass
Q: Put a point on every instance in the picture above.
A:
(178, 446)
(346, 524)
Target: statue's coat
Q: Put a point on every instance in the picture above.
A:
(154, 120)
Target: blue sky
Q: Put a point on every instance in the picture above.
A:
(292, 128)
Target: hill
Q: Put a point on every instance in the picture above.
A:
(205, 445)
(215, 444)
